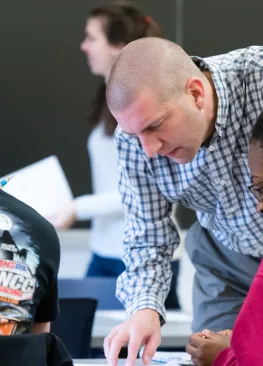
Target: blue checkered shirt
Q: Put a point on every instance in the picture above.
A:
(214, 184)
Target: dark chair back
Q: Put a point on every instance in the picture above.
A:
(43, 349)
(100, 288)
(74, 325)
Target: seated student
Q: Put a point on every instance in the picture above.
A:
(29, 262)
(243, 346)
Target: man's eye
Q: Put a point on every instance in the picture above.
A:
(157, 125)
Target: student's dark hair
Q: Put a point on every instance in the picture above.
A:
(124, 23)
(257, 132)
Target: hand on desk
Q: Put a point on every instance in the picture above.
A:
(205, 350)
(143, 328)
(63, 218)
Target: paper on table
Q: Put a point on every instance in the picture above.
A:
(173, 358)
(183, 360)
(42, 185)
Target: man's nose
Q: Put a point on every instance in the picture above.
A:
(260, 207)
(150, 144)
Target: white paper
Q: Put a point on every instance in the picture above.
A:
(171, 316)
(173, 358)
(176, 359)
(42, 185)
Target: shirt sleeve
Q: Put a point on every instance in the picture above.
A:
(248, 329)
(150, 235)
(48, 308)
(94, 205)
(226, 358)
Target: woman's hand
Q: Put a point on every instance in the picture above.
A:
(63, 218)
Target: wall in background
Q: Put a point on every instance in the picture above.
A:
(219, 26)
(46, 87)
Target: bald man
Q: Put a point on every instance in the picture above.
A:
(183, 135)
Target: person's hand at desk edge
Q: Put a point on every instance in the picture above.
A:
(204, 347)
(143, 328)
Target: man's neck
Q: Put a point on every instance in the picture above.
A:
(212, 106)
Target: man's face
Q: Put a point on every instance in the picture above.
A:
(175, 129)
(255, 163)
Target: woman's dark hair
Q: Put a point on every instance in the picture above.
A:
(124, 23)
(257, 132)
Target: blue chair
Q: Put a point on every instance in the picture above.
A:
(100, 288)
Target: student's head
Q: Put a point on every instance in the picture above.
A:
(255, 162)
(109, 28)
(155, 91)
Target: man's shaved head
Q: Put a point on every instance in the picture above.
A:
(154, 63)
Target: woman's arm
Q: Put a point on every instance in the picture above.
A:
(94, 205)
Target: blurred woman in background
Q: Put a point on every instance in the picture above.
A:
(108, 29)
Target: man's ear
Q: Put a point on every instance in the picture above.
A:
(195, 87)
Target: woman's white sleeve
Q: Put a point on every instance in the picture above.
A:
(94, 205)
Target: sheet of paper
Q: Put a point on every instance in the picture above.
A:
(179, 359)
(173, 358)
(42, 185)
(171, 316)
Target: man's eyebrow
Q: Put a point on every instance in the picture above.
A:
(147, 127)
(152, 123)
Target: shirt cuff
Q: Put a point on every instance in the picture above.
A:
(226, 358)
(146, 301)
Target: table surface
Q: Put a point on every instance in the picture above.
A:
(102, 361)
(175, 333)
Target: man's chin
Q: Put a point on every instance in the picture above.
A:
(181, 156)
(181, 160)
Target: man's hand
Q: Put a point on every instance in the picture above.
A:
(142, 328)
(205, 350)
